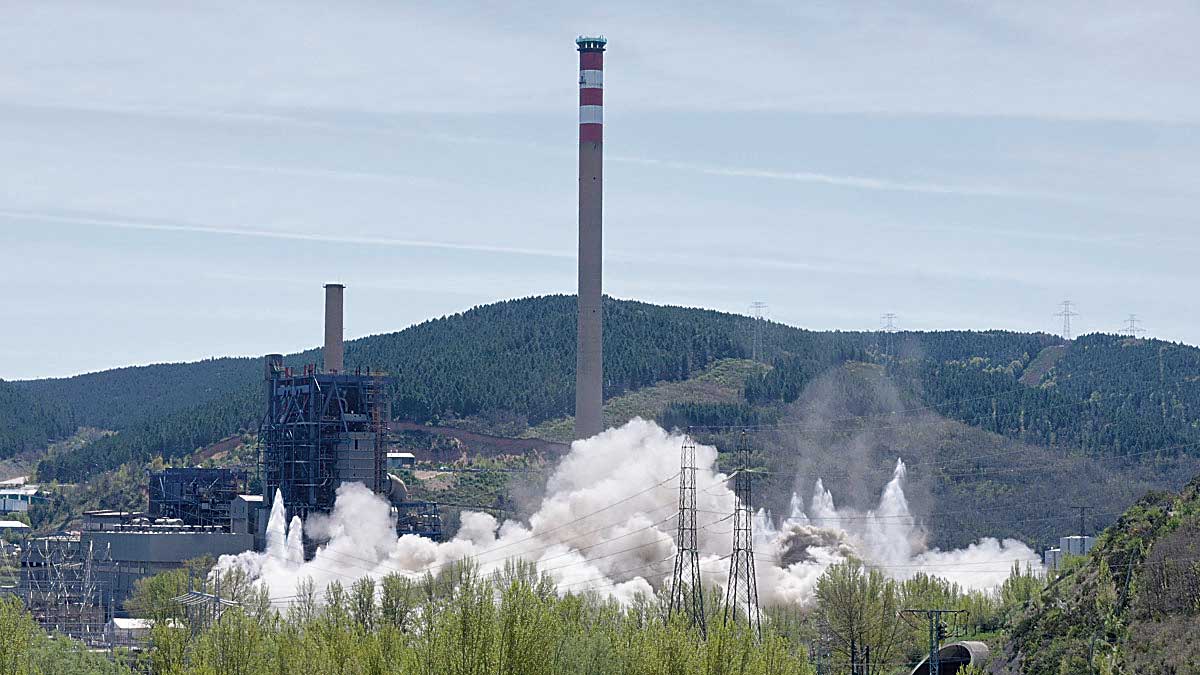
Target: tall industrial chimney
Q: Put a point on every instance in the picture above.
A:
(589, 358)
(335, 350)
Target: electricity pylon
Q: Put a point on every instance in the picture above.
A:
(687, 591)
(742, 592)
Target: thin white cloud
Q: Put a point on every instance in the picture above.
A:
(338, 174)
(276, 234)
(855, 182)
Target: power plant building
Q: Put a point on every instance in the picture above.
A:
(324, 427)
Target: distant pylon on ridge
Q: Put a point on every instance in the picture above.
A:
(889, 327)
(889, 322)
(757, 347)
(687, 590)
(741, 594)
(1132, 329)
(1066, 313)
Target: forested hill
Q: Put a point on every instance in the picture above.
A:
(515, 360)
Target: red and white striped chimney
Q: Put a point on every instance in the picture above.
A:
(589, 363)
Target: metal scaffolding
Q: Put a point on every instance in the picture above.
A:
(197, 496)
(60, 587)
(321, 429)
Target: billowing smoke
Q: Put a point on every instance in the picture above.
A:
(607, 523)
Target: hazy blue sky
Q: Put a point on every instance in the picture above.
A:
(177, 180)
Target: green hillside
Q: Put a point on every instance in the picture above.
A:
(511, 364)
(29, 421)
(1131, 606)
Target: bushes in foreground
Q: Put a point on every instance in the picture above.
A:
(463, 623)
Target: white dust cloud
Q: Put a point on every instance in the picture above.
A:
(607, 523)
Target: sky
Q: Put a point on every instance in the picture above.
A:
(178, 180)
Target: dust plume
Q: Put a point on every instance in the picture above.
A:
(607, 524)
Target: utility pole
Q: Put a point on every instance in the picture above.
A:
(742, 590)
(1066, 313)
(938, 631)
(687, 591)
(757, 348)
(1131, 326)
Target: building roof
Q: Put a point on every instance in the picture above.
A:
(26, 491)
(132, 624)
(13, 525)
(401, 455)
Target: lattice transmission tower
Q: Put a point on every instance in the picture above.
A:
(687, 591)
(757, 345)
(741, 595)
(1066, 313)
(1132, 329)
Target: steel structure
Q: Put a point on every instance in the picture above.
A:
(197, 496)
(687, 590)
(420, 518)
(1067, 312)
(589, 356)
(320, 430)
(938, 630)
(741, 593)
(325, 427)
(61, 588)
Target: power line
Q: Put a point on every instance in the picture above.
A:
(830, 424)
(904, 411)
(938, 631)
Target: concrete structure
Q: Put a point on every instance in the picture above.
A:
(956, 656)
(137, 553)
(243, 515)
(335, 350)
(1075, 545)
(589, 357)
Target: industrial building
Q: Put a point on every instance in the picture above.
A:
(1075, 545)
(18, 498)
(324, 427)
(74, 582)
(196, 496)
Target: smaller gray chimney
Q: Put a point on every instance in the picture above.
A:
(335, 350)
